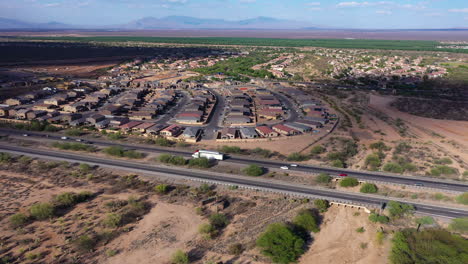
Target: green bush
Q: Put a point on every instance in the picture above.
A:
(443, 170)
(236, 249)
(360, 229)
(393, 167)
(323, 178)
(297, 157)
(207, 230)
(368, 188)
(307, 221)
(262, 152)
(337, 164)
(443, 161)
(231, 149)
(379, 146)
(321, 205)
(115, 136)
(42, 211)
(85, 243)
(73, 132)
(68, 199)
(402, 147)
(18, 220)
(180, 257)
(218, 220)
(112, 220)
(397, 209)
(349, 182)
(316, 150)
(174, 160)
(5, 157)
(75, 146)
(163, 142)
(459, 225)
(373, 161)
(119, 151)
(463, 198)
(84, 167)
(199, 162)
(281, 244)
(376, 218)
(253, 170)
(425, 220)
(161, 188)
(428, 246)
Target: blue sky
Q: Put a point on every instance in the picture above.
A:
(351, 14)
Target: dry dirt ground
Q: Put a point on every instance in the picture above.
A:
(80, 71)
(166, 228)
(447, 135)
(171, 222)
(338, 241)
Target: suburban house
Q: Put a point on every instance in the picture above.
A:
(4, 111)
(93, 119)
(248, 132)
(299, 127)
(142, 115)
(102, 124)
(130, 125)
(237, 119)
(270, 113)
(321, 120)
(35, 114)
(266, 132)
(142, 127)
(189, 117)
(309, 123)
(171, 131)
(22, 113)
(154, 130)
(75, 107)
(118, 121)
(192, 133)
(228, 133)
(285, 130)
(111, 109)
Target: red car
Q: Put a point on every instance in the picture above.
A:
(342, 174)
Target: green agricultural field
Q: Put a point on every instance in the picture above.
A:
(415, 45)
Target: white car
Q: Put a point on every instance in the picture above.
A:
(25, 135)
(284, 168)
(293, 165)
(64, 138)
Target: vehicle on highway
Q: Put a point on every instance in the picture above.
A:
(208, 154)
(343, 175)
(64, 138)
(418, 184)
(293, 165)
(78, 140)
(284, 168)
(25, 135)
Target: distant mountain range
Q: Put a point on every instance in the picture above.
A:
(183, 22)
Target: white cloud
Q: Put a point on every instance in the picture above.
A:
(247, 1)
(460, 10)
(363, 4)
(315, 9)
(51, 4)
(383, 12)
(313, 4)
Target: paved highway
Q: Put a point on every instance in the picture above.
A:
(255, 183)
(362, 175)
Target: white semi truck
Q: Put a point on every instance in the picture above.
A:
(208, 154)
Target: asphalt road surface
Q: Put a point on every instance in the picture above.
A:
(260, 184)
(441, 184)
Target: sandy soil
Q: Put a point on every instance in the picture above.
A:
(454, 133)
(162, 231)
(73, 70)
(338, 242)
